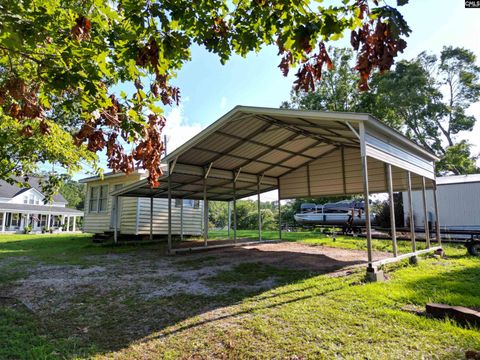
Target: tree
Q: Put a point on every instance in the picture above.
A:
(62, 62)
(74, 193)
(425, 98)
(337, 91)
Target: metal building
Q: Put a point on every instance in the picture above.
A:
(458, 202)
(251, 150)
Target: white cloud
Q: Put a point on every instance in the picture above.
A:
(178, 130)
(223, 103)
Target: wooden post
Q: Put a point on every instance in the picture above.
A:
(425, 214)
(74, 219)
(259, 211)
(115, 220)
(169, 213)
(413, 259)
(366, 194)
(437, 214)
(151, 218)
(393, 227)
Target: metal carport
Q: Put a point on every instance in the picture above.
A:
(251, 150)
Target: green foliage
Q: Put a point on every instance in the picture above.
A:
(74, 193)
(458, 159)
(337, 91)
(382, 212)
(425, 98)
(62, 64)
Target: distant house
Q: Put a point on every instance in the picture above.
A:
(458, 203)
(22, 207)
(134, 213)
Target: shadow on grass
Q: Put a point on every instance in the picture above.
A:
(98, 321)
(458, 286)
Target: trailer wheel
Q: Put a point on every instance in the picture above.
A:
(474, 248)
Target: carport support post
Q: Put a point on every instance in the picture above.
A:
(413, 259)
(279, 212)
(151, 218)
(367, 210)
(169, 239)
(229, 218)
(425, 214)
(234, 210)
(437, 215)
(181, 220)
(393, 227)
(205, 213)
(259, 211)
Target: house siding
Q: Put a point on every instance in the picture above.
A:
(98, 222)
(192, 218)
(135, 212)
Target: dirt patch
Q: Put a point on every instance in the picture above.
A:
(299, 256)
(52, 288)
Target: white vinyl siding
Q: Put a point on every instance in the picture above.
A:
(133, 211)
(192, 217)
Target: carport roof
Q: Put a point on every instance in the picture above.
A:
(258, 147)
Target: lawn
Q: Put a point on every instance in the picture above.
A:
(63, 297)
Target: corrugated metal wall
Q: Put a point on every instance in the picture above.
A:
(458, 206)
(330, 176)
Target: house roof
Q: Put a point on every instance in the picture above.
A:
(39, 209)
(301, 153)
(9, 191)
(110, 175)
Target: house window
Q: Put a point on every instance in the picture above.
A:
(15, 220)
(25, 199)
(37, 201)
(103, 199)
(31, 201)
(93, 204)
(98, 198)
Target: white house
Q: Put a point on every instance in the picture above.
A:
(458, 202)
(134, 213)
(22, 207)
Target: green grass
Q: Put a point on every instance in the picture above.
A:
(305, 315)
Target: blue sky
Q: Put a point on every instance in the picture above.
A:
(210, 89)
